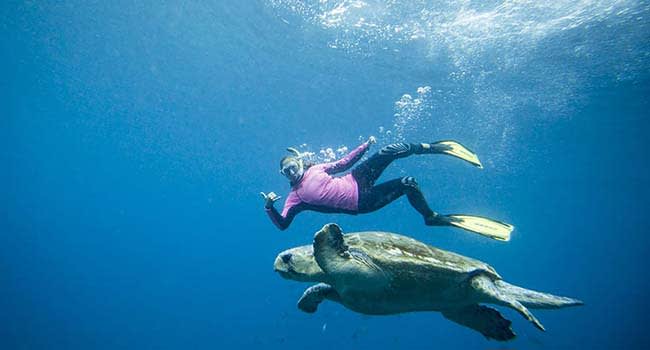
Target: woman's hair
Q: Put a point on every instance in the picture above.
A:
(306, 163)
(285, 159)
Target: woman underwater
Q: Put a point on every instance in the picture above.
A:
(314, 188)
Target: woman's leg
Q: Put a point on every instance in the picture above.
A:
(379, 196)
(369, 171)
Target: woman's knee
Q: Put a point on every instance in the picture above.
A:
(410, 183)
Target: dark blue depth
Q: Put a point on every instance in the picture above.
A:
(136, 139)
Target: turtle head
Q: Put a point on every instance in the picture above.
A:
(298, 264)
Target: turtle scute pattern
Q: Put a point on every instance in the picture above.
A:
(397, 252)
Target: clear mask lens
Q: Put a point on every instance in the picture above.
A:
(290, 169)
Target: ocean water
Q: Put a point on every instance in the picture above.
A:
(136, 137)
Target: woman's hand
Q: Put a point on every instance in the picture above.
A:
(372, 140)
(269, 199)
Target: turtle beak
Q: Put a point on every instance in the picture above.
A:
(277, 265)
(281, 264)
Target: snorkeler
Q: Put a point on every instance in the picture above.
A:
(314, 188)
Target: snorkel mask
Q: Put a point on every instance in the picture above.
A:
(293, 167)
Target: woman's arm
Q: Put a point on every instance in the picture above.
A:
(348, 161)
(292, 206)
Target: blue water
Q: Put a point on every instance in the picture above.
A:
(136, 137)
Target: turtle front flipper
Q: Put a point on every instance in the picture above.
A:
(315, 295)
(484, 285)
(483, 319)
(330, 250)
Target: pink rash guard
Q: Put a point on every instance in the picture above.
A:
(320, 191)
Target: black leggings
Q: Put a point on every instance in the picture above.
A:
(373, 197)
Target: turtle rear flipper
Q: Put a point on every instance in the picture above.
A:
(484, 285)
(483, 319)
(534, 299)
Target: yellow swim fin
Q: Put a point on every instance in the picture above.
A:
(487, 227)
(455, 149)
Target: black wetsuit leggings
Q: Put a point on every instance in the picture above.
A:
(373, 197)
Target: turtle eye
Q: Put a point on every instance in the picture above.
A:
(286, 258)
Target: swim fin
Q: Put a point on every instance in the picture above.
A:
(455, 149)
(487, 227)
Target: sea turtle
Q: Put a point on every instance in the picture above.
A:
(382, 273)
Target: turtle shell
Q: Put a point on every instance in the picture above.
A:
(405, 257)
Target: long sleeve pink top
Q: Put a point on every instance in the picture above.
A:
(320, 191)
